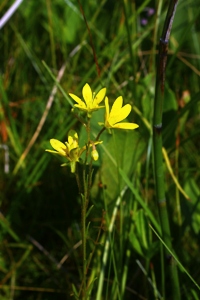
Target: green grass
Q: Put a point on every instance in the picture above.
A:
(40, 220)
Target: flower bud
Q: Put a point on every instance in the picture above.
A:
(95, 154)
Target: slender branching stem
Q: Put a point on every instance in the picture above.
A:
(87, 178)
(100, 132)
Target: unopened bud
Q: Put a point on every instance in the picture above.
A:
(95, 154)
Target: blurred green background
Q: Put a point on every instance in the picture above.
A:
(110, 44)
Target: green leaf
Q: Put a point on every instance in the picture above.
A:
(122, 150)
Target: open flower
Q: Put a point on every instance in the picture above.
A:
(70, 149)
(91, 100)
(117, 114)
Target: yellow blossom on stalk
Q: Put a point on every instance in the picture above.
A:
(117, 114)
(91, 100)
(70, 149)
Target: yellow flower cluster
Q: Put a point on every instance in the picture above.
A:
(113, 117)
(71, 149)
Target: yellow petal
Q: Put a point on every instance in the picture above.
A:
(70, 140)
(58, 146)
(87, 94)
(81, 107)
(74, 134)
(53, 151)
(126, 125)
(120, 115)
(117, 105)
(77, 99)
(107, 110)
(99, 96)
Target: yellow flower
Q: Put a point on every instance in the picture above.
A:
(117, 114)
(70, 149)
(91, 100)
(65, 149)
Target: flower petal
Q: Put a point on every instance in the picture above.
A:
(99, 97)
(82, 106)
(70, 140)
(74, 134)
(107, 110)
(87, 94)
(125, 125)
(52, 151)
(117, 105)
(56, 152)
(120, 115)
(77, 99)
(59, 146)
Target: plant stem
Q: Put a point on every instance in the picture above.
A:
(157, 140)
(79, 174)
(100, 132)
(85, 199)
(84, 245)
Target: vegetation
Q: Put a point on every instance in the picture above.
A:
(131, 248)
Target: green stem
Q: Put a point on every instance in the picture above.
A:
(88, 177)
(100, 132)
(81, 185)
(155, 34)
(84, 245)
(85, 199)
(157, 140)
